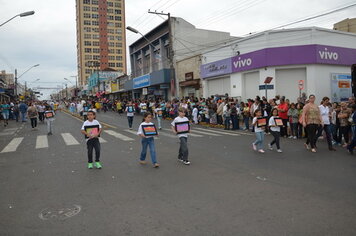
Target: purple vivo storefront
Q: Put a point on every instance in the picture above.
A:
(280, 56)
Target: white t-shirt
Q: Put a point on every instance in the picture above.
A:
(140, 131)
(91, 123)
(143, 107)
(257, 129)
(324, 111)
(130, 113)
(177, 120)
(159, 112)
(273, 122)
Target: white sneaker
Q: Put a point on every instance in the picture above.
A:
(290, 136)
(270, 147)
(261, 151)
(279, 150)
(254, 147)
(295, 137)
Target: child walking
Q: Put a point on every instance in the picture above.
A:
(147, 141)
(159, 114)
(275, 130)
(92, 129)
(49, 116)
(130, 110)
(183, 138)
(259, 131)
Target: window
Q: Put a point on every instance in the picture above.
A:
(95, 2)
(111, 24)
(110, 10)
(111, 58)
(87, 29)
(96, 57)
(95, 9)
(110, 4)
(110, 17)
(111, 64)
(117, 11)
(95, 22)
(86, 15)
(87, 36)
(118, 45)
(86, 1)
(111, 44)
(111, 31)
(87, 71)
(119, 38)
(119, 64)
(87, 50)
(118, 18)
(96, 29)
(117, 4)
(96, 50)
(87, 22)
(87, 43)
(95, 16)
(111, 51)
(86, 8)
(118, 25)
(111, 37)
(96, 43)
(88, 57)
(119, 58)
(95, 36)
(119, 51)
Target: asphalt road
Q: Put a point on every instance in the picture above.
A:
(227, 190)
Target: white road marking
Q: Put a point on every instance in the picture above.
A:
(12, 146)
(189, 134)
(206, 133)
(69, 139)
(167, 135)
(218, 132)
(101, 140)
(41, 141)
(118, 135)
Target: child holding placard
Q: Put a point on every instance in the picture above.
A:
(182, 134)
(92, 129)
(259, 124)
(275, 124)
(130, 110)
(147, 130)
(49, 116)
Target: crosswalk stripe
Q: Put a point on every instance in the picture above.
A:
(12, 146)
(118, 135)
(101, 140)
(190, 134)
(167, 135)
(206, 133)
(69, 139)
(219, 132)
(41, 141)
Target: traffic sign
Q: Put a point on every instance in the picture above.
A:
(301, 84)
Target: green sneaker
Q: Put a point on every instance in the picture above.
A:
(98, 165)
(90, 165)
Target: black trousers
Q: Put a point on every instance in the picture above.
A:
(183, 149)
(312, 130)
(327, 131)
(344, 131)
(41, 116)
(130, 119)
(276, 136)
(93, 144)
(34, 122)
(284, 128)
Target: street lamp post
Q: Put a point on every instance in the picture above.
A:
(16, 78)
(27, 13)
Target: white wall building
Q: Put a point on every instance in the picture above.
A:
(318, 57)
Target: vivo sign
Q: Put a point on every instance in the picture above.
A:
(242, 62)
(328, 55)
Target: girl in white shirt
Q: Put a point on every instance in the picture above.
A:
(275, 130)
(259, 132)
(147, 141)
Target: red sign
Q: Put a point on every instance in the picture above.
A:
(301, 84)
(268, 80)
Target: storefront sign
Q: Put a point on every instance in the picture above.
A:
(114, 87)
(109, 74)
(292, 55)
(340, 87)
(217, 68)
(144, 91)
(164, 86)
(142, 81)
(269, 87)
(189, 76)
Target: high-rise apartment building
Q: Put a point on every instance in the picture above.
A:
(100, 36)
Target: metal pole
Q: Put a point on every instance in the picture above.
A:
(66, 92)
(266, 90)
(15, 83)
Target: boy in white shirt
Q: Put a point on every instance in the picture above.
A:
(183, 149)
(92, 129)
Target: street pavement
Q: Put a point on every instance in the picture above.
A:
(46, 189)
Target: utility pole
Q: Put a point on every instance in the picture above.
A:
(66, 92)
(170, 51)
(15, 83)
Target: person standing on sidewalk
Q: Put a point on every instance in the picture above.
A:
(5, 111)
(32, 113)
(130, 111)
(183, 149)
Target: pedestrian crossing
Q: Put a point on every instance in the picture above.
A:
(126, 135)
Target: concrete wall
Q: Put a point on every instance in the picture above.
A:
(191, 64)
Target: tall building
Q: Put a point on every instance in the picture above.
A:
(347, 25)
(100, 36)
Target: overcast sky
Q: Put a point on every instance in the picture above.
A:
(48, 38)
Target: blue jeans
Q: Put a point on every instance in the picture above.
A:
(23, 116)
(353, 141)
(247, 122)
(151, 143)
(159, 118)
(260, 136)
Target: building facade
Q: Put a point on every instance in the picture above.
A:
(311, 60)
(154, 58)
(101, 40)
(347, 25)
